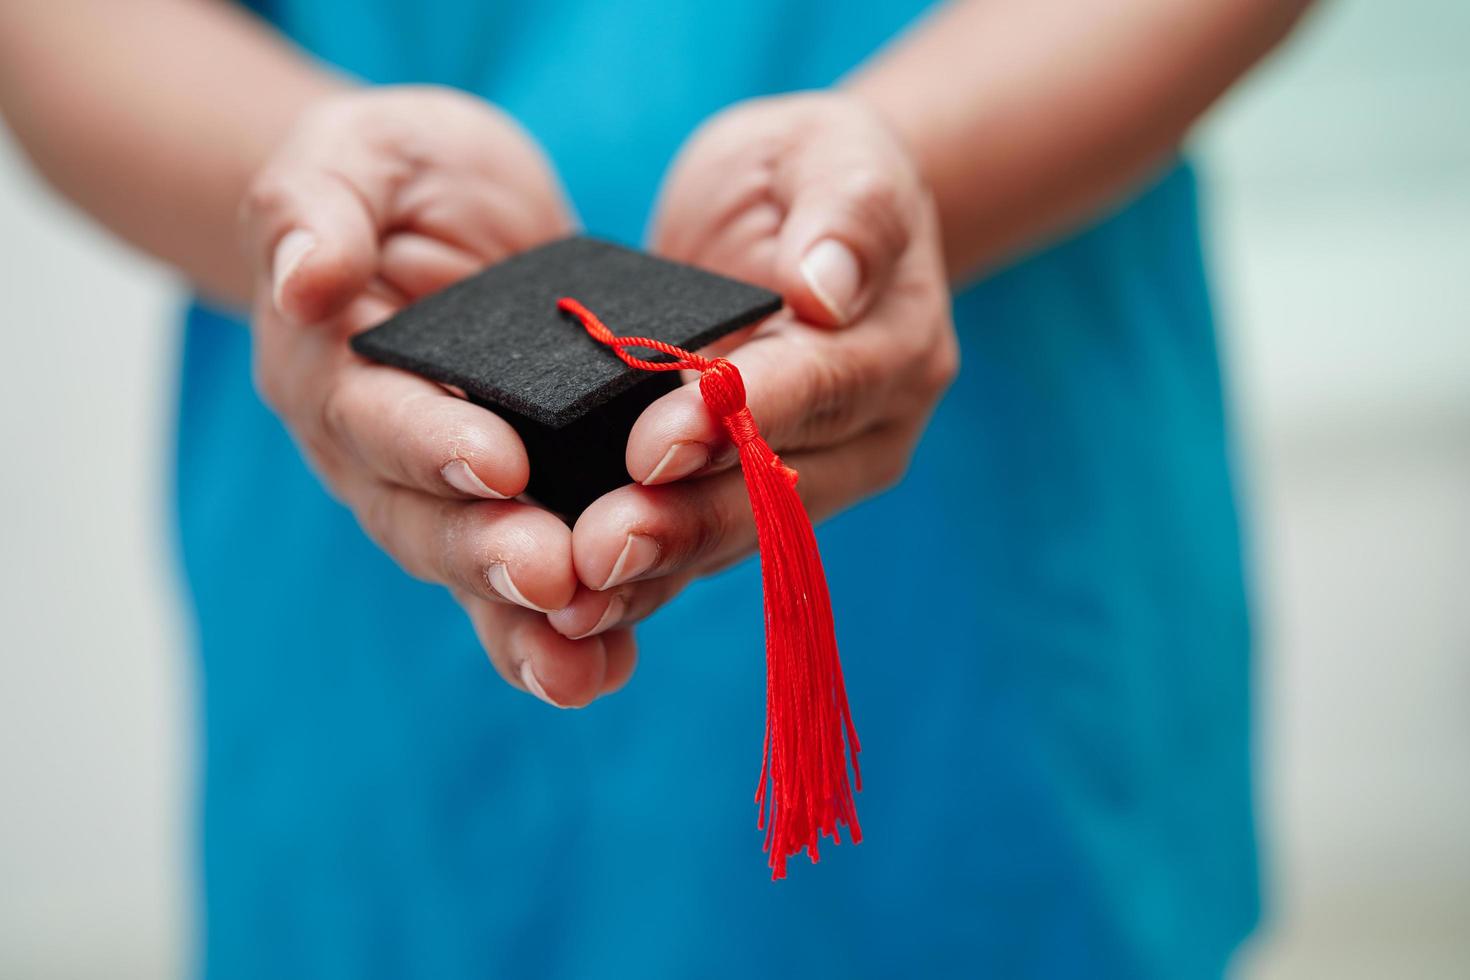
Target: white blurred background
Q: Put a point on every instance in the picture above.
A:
(1339, 226)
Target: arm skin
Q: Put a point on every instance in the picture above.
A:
(1028, 118)
(153, 116)
(1025, 118)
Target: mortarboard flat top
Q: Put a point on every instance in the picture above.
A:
(499, 336)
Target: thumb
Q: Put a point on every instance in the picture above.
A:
(312, 239)
(846, 227)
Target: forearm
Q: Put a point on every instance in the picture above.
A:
(152, 115)
(1028, 118)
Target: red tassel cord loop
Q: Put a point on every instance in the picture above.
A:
(804, 790)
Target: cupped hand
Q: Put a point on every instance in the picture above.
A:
(811, 196)
(376, 198)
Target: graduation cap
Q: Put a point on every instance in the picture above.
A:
(522, 339)
(500, 338)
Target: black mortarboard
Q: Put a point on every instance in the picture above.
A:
(499, 337)
(542, 339)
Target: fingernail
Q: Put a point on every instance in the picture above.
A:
(498, 577)
(528, 678)
(637, 557)
(614, 612)
(290, 251)
(457, 474)
(682, 459)
(833, 275)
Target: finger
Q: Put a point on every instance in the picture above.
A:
(417, 265)
(533, 657)
(720, 174)
(492, 191)
(484, 218)
(622, 659)
(313, 235)
(805, 387)
(850, 215)
(745, 247)
(591, 612)
(637, 534)
(411, 432)
(845, 196)
(503, 551)
(290, 364)
(808, 387)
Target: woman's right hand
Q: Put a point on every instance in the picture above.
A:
(376, 198)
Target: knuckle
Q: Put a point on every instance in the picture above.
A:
(429, 438)
(870, 191)
(837, 390)
(320, 453)
(268, 384)
(713, 526)
(268, 194)
(643, 599)
(376, 516)
(942, 366)
(889, 467)
(689, 521)
(329, 470)
(891, 471)
(333, 418)
(877, 201)
(458, 551)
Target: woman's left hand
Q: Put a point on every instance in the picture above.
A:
(809, 195)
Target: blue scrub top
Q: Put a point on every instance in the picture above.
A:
(1044, 626)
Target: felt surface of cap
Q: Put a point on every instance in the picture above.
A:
(499, 336)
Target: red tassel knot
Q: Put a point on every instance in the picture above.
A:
(723, 389)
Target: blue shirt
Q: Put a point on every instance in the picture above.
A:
(1044, 626)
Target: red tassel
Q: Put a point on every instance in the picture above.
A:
(804, 790)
